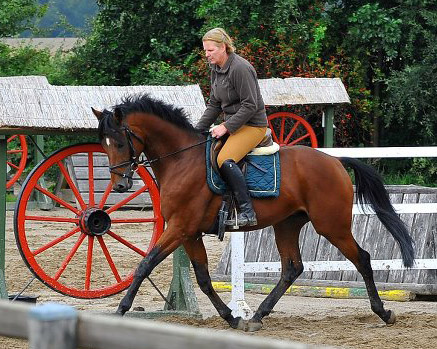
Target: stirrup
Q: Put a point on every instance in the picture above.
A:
(242, 222)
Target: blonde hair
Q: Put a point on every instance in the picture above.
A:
(219, 35)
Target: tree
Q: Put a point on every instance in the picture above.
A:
(411, 111)
(374, 33)
(18, 15)
(128, 35)
(391, 42)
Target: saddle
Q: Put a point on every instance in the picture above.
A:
(262, 172)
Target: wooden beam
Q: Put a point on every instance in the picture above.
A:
(329, 127)
(113, 332)
(3, 160)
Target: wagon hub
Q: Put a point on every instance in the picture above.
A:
(94, 221)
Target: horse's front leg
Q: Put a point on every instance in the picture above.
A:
(196, 251)
(167, 243)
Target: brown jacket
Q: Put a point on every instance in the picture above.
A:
(235, 91)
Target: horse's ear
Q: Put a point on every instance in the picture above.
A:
(97, 113)
(118, 116)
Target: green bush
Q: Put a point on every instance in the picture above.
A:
(157, 73)
(27, 60)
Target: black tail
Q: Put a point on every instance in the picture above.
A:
(370, 189)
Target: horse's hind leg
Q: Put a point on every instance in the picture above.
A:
(196, 251)
(361, 259)
(287, 241)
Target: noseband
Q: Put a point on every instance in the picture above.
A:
(133, 163)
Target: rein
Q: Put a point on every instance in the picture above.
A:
(133, 162)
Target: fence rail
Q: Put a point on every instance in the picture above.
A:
(111, 332)
(239, 267)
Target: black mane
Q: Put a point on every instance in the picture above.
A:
(145, 104)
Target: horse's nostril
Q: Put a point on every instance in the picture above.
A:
(119, 187)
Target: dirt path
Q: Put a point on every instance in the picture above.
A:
(345, 323)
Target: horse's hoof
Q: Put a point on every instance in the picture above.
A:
(119, 312)
(238, 323)
(392, 319)
(253, 326)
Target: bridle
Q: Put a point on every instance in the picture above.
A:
(133, 163)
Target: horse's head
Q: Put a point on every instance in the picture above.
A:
(122, 146)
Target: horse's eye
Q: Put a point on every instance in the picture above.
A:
(119, 145)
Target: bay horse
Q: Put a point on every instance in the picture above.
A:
(314, 187)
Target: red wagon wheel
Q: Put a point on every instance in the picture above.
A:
(291, 129)
(16, 157)
(87, 246)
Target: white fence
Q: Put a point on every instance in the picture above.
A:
(239, 267)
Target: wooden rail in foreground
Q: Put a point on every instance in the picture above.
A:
(112, 332)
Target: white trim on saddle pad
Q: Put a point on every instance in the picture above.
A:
(271, 149)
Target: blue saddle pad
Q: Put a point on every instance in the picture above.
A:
(263, 175)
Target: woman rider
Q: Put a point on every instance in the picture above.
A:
(235, 92)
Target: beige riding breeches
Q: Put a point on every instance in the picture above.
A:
(240, 143)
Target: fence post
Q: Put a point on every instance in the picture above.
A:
(237, 304)
(44, 203)
(3, 162)
(329, 127)
(181, 294)
(52, 326)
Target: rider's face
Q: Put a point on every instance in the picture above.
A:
(215, 52)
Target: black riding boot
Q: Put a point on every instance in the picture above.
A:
(234, 178)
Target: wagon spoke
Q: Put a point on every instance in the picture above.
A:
(89, 262)
(126, 200)
(275, 138)
(56, 241)
(300, 139)
(105, 195)
(14, 151)
(109, 258)
(52, 219)
(91, 178)
(12, 165)
(11, 138)
(72, 185)
(127, 243)
(56, 198)
(292, 132)
(67, 259)
(281, 133)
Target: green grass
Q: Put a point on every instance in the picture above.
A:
(11, 198)
(407, 179)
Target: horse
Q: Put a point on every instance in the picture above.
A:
(314, 187)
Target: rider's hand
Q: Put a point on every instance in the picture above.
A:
(219, 131)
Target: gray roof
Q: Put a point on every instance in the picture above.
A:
(36, 104)
(298, 91)
(23, 81)
(52, 44)
(30, 102)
